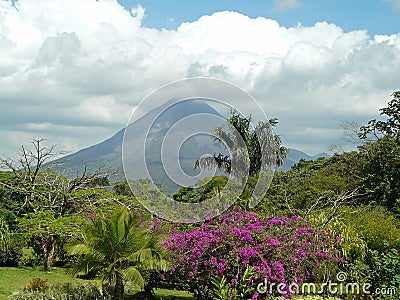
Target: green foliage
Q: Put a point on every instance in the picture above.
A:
(8, 216)
(156, 201)
(45, 223)
(5, 236)
(243, 289)
(390, 126)
(203, 192)
(5, 175)
(252, 149)
(353, 248)
(45, 232)
(115, 248)
(380, 153)
(385, 267)
(7, 203)
(68, 291)
(45, 202)
(380, 168)
(10, 251)
(122, 189)
(11, 257)
(221, 289)
(308, 181)
(376, 225)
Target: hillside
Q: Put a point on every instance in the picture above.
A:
(109, 152)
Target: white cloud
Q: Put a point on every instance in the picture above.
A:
(281, 5)
(139, 12)
(85, 64)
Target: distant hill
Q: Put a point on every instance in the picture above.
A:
(109, 152)
(296, 155)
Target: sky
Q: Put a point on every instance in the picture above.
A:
(378, 16)
(73, 71)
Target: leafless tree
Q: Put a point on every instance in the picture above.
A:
(44, 190)
(42, 187)
(332, 207)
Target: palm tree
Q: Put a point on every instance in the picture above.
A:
(117, 248)
(252, 148)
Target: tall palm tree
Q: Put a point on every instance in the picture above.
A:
(117, 248)
(252, 148)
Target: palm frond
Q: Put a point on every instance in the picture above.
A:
(134, 276)
(78, 249)
(119, 243)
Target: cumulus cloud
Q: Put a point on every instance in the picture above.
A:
(73, 70)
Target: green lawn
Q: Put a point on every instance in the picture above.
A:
(13, 279)
(166, 294)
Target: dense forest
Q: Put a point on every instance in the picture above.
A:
(336, 215)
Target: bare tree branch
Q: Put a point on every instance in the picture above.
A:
(42, 187)
(333, 207)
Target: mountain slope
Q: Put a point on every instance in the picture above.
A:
(296, 155)
(109, 152)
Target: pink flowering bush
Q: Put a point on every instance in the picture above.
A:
(284, 250)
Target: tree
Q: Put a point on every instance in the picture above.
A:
(43, 197)
(27, 177)
(7, 203)
(380, 154)
(34, 177)
(203, 190)
(390, 126)
(117, 248)
(10, 252)
(380, 169)
(252, 149)
(312, 187)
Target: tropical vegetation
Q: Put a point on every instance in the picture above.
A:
(324, 218)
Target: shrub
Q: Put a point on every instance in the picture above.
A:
(10, 253)
(281, 250)
(244, 289)
(83, 291)
(385, 267)
(37, 285)
(30, 259)
(377, 225)
(10, 257)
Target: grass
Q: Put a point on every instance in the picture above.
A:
(13, 279)
(174, 293)
(313, 297)
(165, 294)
